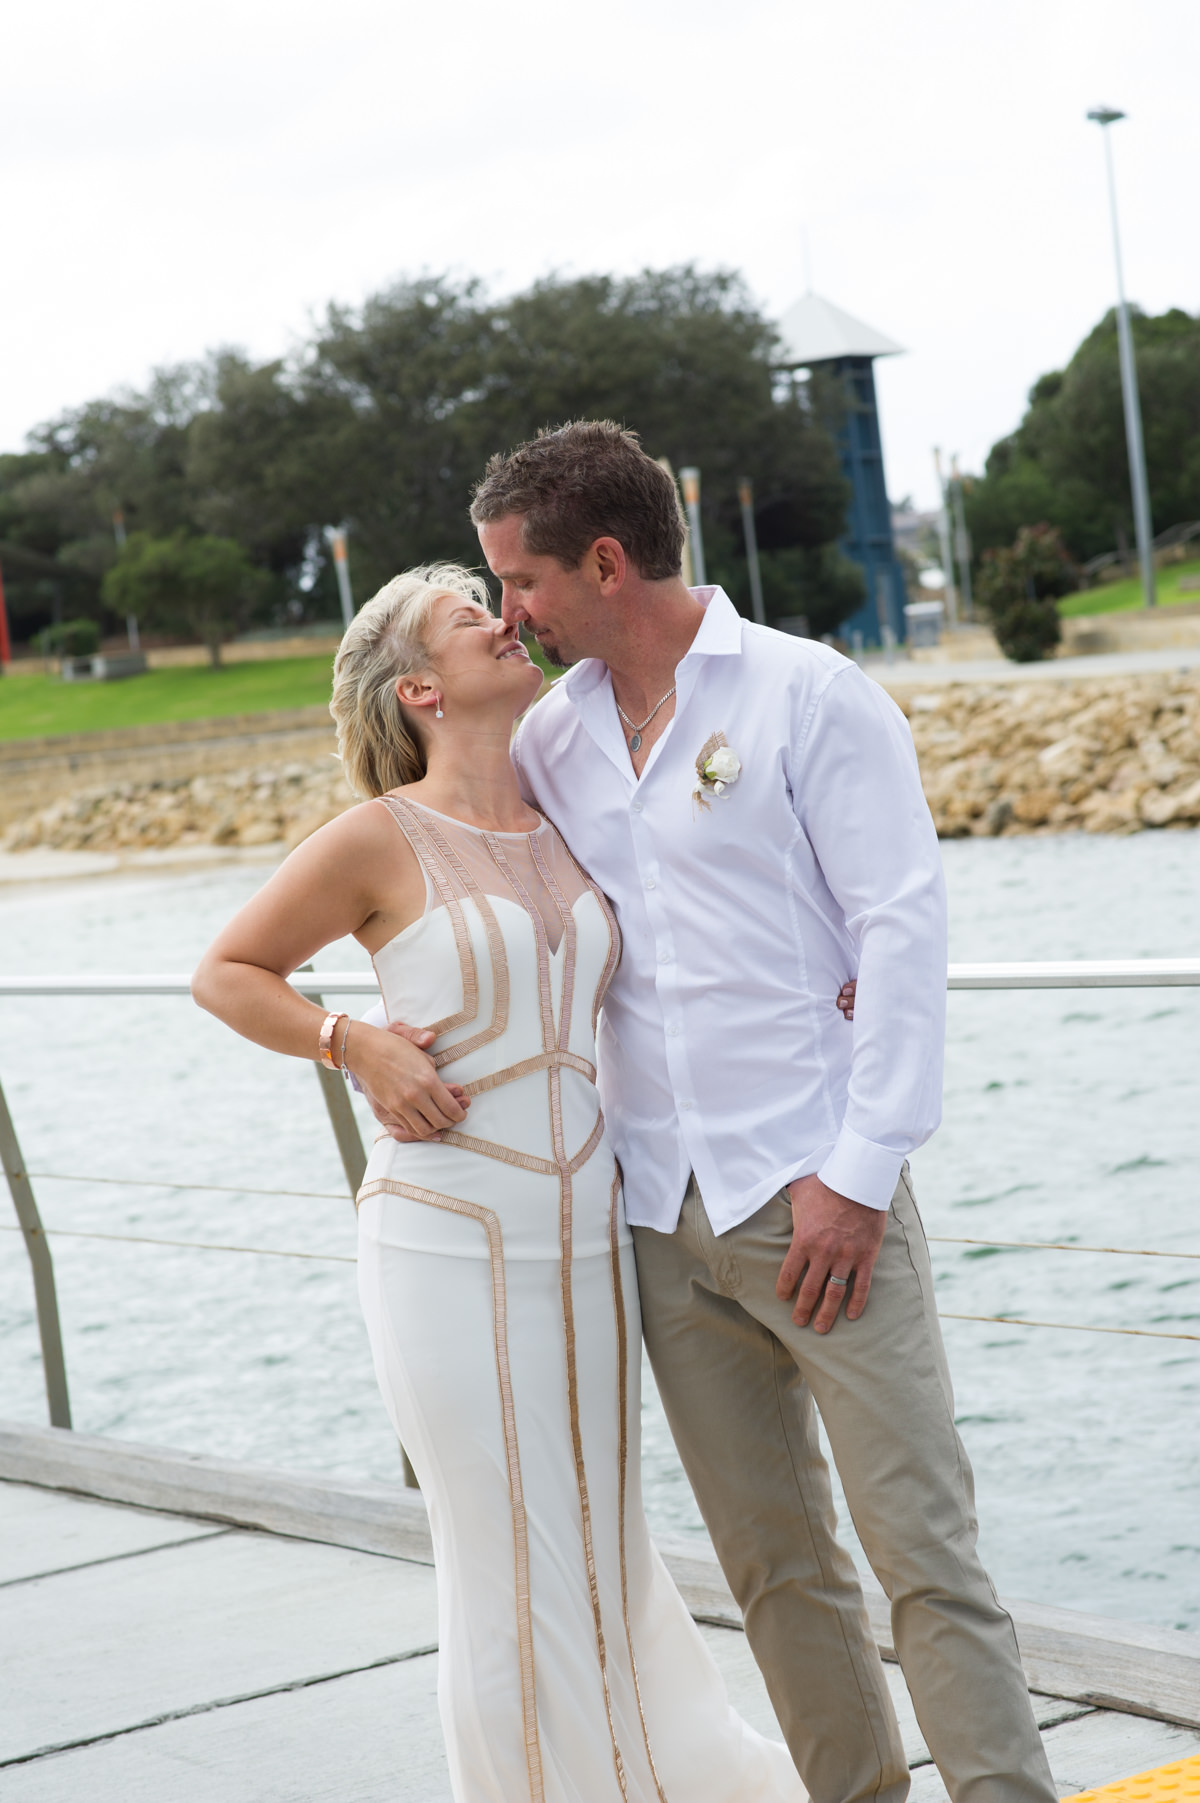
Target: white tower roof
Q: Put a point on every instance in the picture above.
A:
(815, 331)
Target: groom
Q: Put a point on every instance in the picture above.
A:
(750, 803)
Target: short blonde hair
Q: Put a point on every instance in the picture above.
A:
(377, 743)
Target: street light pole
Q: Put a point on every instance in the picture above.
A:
(1104, 116)
(690, 479)
(746, 503)
(962, 540)
(949, 589)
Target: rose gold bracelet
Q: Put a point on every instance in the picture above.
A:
(325, 1043)
(345, 1037)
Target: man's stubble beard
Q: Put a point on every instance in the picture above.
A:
(554, 655)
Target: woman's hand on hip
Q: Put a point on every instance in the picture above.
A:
(400, 1081)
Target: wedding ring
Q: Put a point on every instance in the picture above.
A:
(841, 1282)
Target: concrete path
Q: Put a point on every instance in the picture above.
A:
(48, 866)
(149, 1658)
(907, 673)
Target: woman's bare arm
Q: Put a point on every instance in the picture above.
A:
(357, 875)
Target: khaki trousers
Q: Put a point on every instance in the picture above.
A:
(741, 1384)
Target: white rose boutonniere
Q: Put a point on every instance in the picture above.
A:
(718, 767)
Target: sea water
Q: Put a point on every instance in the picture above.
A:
(1070, 1116)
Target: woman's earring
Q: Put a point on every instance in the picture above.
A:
(439, 714)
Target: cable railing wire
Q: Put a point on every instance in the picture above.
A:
(345, 1258)
(325, 1195)
(219, 1189)
(1136, 973)
(142, 1239)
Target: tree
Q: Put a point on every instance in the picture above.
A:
(1018, 589)
(431, 379)
(1067, 461)
(820, 583)
(205, 586)
(387, 416)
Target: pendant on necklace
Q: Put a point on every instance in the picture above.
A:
(636, 742)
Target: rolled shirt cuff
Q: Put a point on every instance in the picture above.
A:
(860, 1169)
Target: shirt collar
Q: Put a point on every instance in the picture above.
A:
(720, 635)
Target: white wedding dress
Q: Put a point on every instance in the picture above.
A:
(497, 1279)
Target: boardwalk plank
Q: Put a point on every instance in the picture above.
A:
(1096, 1749)
(372, 1737)
(1106, 1746)
(44, 1530)
(103, 1649)
(748, 1694)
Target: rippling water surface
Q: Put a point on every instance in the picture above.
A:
(1070, 1116)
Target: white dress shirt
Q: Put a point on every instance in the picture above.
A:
(721, 1049)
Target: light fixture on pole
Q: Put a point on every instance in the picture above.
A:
(1104, 116)
(746, 502)
(690, 478)
(341, 565)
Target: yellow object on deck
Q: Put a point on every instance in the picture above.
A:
(1178, 1783)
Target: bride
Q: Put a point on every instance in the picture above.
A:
(495, 1268)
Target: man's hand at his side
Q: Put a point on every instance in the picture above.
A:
(831, 1237)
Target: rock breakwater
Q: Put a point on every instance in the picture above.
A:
(265, 806)
(1105, 755)
(1101, 755)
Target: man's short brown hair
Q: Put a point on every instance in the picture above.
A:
(586, 480)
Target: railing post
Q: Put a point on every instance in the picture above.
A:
(345, 1127)
(341, 1118)
(354, 1163)
(53, 1363)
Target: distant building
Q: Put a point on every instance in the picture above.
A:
(916, 531)
(815, 334)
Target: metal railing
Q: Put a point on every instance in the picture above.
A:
(1130, 973)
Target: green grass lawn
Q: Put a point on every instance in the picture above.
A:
(31, 706)
(1126, 595)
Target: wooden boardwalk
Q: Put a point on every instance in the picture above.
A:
(259, 1637)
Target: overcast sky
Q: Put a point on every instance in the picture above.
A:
(185, 176)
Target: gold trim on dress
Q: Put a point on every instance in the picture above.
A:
(618, 1290)
(566, 914)
(525, 1067)
(525, 1161)
(545, 990)
(581, 1484)
(410, 825)
(442, 858)
(491, 1225)
(614, 933)
(491, 1148)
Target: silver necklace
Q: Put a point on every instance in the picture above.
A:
(636, 730)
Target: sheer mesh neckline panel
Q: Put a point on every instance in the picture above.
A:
(534, 870)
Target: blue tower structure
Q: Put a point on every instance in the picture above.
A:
(816, 334)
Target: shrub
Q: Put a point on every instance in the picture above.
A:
(205, 586)
(73, 638)
(1018, 589)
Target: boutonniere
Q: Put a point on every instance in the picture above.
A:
(717, 767)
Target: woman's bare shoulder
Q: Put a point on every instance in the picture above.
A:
(363, 835)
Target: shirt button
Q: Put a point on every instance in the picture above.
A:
(664, 957)
(649, 882)
(674, 1032)
(635, 807)
(685, 1106)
